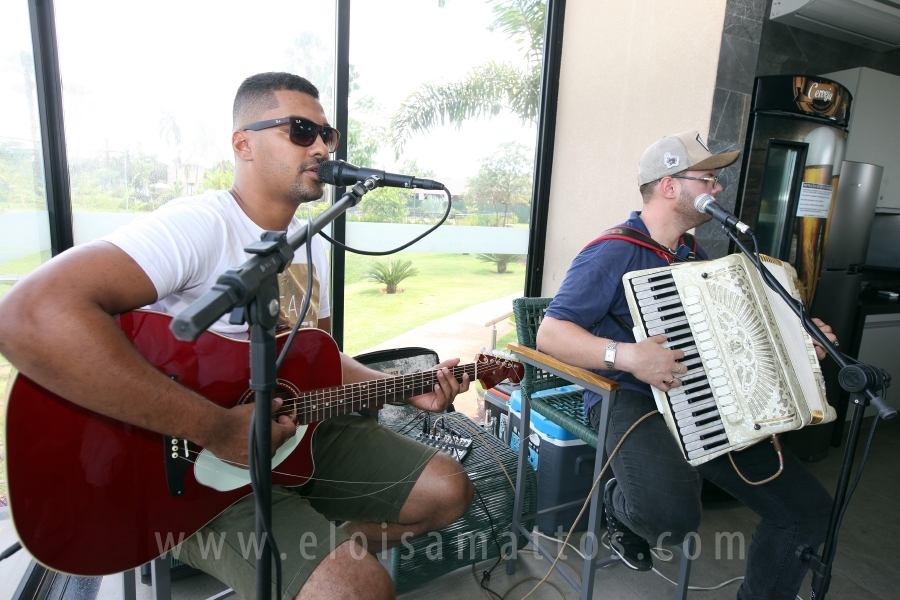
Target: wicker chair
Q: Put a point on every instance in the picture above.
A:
(479, 533)
(542, 372)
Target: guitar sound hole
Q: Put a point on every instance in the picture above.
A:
(285, 390)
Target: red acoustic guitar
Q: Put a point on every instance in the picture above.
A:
(90, 495)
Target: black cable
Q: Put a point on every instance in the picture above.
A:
(403, 429)
(10, 551)
(306, 299)
(486, 575)
(398, 248)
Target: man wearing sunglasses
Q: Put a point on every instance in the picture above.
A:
(385, 487)
(654, 494)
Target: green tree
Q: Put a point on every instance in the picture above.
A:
(487, 89)
(18, 189)
(500, 260)
(391, 274)
(383, 205)
(364, 138)
(105, 181)
(503, 180)
(220, 177)
(312, 58)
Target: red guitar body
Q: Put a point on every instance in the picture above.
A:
(89, 494)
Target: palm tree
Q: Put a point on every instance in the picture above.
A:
(487, 89)
(391, 274)
(501, 260)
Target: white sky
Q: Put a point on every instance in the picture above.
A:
(126, 67)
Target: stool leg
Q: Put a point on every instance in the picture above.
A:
(519, 504)
(160, 572)
(129, 592)
(592, 545)
(684, 569)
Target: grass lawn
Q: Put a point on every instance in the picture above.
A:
(446, 283)
(23, 265)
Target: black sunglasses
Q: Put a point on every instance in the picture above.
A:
(303, 131)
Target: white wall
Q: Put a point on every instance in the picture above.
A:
(633, 71)
(446, 238)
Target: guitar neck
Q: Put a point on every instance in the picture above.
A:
(318, 405)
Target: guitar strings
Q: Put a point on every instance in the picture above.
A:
(309, 403)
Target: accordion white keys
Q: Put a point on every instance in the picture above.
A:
(752, 369)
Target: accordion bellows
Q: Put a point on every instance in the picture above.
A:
(752, 369)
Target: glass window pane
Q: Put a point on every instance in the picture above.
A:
(148, 92)
(459, 107)
(24, 221)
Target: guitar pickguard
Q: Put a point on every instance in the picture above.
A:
(224, 477)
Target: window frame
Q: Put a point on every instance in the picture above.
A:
(56, 170)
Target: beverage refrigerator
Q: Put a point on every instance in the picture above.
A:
(792, 162)
(811, 208)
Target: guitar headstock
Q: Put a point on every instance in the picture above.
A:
(495, 366)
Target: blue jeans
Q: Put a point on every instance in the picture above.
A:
(657, 492)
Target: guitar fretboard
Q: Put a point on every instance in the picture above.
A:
(318, 405)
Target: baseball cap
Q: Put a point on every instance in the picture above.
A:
(679, 152)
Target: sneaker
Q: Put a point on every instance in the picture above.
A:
(632, 549)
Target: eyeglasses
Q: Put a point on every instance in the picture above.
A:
(714, 179)
(303, 131)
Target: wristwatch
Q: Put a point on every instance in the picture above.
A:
(610, 355)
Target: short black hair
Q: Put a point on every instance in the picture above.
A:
(256, 94)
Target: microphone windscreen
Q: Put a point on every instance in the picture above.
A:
(701, 201)
(330, 172)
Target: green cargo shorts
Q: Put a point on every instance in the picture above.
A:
(363, 472)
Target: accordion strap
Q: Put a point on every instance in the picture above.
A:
(635, 236)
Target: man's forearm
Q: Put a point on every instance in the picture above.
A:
(571, 344)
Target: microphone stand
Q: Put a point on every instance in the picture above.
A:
(251, 293)
(861, 381)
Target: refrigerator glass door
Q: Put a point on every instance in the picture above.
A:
(781, 179)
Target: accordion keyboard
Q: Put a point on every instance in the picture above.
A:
(704, 399)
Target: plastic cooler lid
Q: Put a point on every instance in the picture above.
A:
(538, 421)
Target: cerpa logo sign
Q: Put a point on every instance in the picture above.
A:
(824, 93)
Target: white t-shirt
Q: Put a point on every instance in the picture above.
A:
(187, 243)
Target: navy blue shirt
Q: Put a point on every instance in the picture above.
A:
(592, 292)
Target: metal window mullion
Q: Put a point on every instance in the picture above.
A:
(53, 134)
(341, 118)
(546, 134)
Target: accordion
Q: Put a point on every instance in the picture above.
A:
(752, 369)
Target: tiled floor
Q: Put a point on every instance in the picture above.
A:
(867, 564)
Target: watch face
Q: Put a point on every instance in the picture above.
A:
(610, 356)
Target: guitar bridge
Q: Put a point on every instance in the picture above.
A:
(178, 460)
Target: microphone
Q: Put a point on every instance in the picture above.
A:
(705, 203)
(339, 172)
